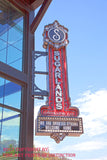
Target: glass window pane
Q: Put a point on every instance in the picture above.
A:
(10, 93)
(11, 35)
(9, 136)
(7, 114)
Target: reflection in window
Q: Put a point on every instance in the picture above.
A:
(8, 115)
(11, 35)
(10, 105)
(10, 93)
(10, 133)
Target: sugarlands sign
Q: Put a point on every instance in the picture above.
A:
(57, 118)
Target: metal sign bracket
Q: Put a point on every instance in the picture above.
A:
(36, 91)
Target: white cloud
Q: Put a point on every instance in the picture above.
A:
(36, 110)
(37, 107)
(86, 146)
(89, 145)
(39, 144)
(93, 108)
(103, 158)
(50, 145)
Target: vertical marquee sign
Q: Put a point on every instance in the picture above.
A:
(58, 118)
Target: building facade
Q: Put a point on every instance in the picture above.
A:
(17, 27)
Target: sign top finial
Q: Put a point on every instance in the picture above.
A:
(55, 35)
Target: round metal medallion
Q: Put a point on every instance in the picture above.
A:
(56, 35)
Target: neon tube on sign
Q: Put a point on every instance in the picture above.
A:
(58, 89)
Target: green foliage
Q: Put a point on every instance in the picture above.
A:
(11, 150)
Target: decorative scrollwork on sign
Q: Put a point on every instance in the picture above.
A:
(55, 35)
(58, 136)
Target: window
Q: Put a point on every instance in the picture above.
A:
(10, 111)
(10, 93)
(11, 35)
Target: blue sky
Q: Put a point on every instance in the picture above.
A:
(86, 21)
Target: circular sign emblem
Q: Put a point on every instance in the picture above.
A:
(56, 35)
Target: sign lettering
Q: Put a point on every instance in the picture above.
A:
(58, 89)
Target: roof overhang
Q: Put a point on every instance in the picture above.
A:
(31, 5)
(27, 5)
(39, 15)
(35, 3)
